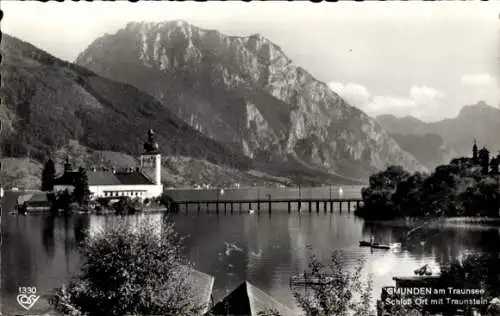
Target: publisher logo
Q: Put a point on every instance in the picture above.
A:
(27, 297)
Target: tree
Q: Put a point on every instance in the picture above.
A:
(268, 312)
(128, 206)
(484, 159)
(48, 175)
(494, 165)
(82, 192)
(489, 189)
(336, 291)
(130, 271)
(168, 202)
(473, 271)
(62, 200)
(378, 196)
(408, 195)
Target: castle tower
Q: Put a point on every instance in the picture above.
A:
(151, 157)
(67, 165)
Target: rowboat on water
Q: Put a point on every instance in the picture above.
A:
(376, 245)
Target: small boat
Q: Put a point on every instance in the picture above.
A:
(376, 245)
(364, 243)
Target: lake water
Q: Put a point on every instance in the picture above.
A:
(41, 251)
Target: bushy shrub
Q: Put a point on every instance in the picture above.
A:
(337, 290)
(130, 271)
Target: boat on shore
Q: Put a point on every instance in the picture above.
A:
(424, 270)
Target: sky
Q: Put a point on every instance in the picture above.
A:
(425, 59)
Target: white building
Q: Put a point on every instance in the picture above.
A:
(119, 183)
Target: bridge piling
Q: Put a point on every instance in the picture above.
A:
(350, 204)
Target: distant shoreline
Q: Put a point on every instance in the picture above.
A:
(402, 222)
(464, 219)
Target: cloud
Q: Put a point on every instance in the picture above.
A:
(480, 86)
(422, 101)
(351, 92)
(425, 94)
(481, 79)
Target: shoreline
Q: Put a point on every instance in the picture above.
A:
(444, 220)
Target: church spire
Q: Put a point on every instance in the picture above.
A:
(151, 146)
(475, 159)
(151, 158)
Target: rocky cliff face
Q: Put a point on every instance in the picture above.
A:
(246, 93)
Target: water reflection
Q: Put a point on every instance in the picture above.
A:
(443, 242)
(261, 248)
(48, 236)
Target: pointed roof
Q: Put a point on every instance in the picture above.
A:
(34, 197)
(484, 150)
(247, 299)
(105, 178)
(202, 288)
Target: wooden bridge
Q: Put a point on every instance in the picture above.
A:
(256, 205)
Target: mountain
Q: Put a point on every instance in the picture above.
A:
(49, 105)
(407, 125)
(479, 121)
(247, 94)
(46, 102)
(430, 149)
